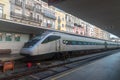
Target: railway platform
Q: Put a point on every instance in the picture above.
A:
(10, 57)
(107, 68)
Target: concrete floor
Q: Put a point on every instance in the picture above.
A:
(10, 57)
(107, 68)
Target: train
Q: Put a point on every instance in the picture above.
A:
(48, 44)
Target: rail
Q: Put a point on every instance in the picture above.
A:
(37, 69)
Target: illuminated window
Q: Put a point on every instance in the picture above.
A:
(1, 36)
(17, 37)
(8, 37)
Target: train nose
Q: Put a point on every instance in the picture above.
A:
(26, 51)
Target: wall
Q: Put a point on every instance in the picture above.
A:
(14, 45)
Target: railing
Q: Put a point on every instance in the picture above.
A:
(38, 10)
(34, 19)
(29, 7)
(70, 24)
(48, 13)
(24, 17)
(16, 15)
(52, 16)
(18, 2)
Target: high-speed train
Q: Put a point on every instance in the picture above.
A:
(50, 43)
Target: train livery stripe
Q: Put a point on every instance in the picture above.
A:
(72, 42)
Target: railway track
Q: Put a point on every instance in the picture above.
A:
(66, 63)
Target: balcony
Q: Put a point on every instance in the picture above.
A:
(68, 24)
(38, 10)
(24, 17)
(29, 7)
(16, 15)
(49, 15)
(35, 20)
(18, 3)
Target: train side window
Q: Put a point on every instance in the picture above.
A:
(51, 38)
(79, 43)
(74, 43)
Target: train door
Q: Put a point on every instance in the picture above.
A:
(105, 45)
(57, 45)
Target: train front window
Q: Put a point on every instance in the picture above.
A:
(51, 38)
(33, 41)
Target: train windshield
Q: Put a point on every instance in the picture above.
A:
(33, 41)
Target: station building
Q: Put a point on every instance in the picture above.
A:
(9, 41)
(14, 30)
(14, 35)
(20, 20)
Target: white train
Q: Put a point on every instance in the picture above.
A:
(49, 43)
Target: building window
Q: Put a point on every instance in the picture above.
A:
(1, 36)
(8, 37)
(38, 17)
(62, 25)
(31, 14)
(1, 11)
(63, 18)
(17, 37)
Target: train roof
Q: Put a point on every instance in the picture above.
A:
(80, 35)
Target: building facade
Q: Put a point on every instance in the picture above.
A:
(4, 9)
(101, 34)
(26, 11)
(69, 23)
(48, 16)
(78, 27)
(89, 30)
(105, 35)
(60, 23)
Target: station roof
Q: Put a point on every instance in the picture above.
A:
(105, 14)
(15, 27)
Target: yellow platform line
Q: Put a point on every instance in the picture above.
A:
(65, 74)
